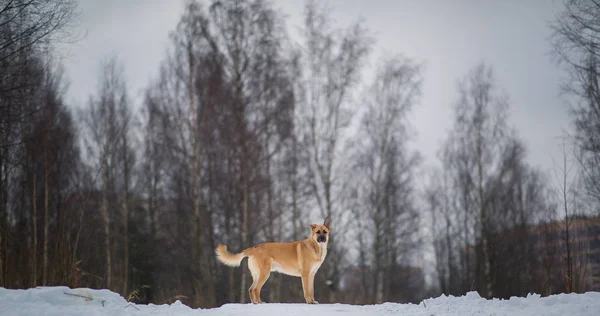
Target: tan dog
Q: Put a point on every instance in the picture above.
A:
(299, 258)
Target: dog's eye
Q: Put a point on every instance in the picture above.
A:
(324, 232)
(318, 231)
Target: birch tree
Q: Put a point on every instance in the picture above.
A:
(105, 132)
(388, 166)
(332, 60)
(576, 31)
(480, 129)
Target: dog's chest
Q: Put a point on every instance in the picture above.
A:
(315, 267)
(321, 256)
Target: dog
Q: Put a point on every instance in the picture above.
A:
(300, 258)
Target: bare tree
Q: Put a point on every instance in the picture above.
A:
(227, 80)
(566, 196)
(46, 218)
(34, 219)
(333, 60)
(248, 37)
(486, 198)
(27, 29)
(127, 162)
(575, 40)
(444, 217)
(105, 129)
(191, 32)
(46, 142)
(481, 126)
(389, 168)
(34, 22)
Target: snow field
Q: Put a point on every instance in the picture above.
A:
(53, 301)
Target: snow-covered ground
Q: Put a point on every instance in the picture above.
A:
(53, 301)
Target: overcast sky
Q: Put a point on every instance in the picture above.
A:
(450, 36)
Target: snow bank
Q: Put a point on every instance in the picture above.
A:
(53, 301)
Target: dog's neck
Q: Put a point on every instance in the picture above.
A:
(323, 252)
(320, 248)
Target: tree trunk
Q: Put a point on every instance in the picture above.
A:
(243, 288)
(244, 164)
(294, 186)
(194, 128)
(451, 275)
(465, 258)
(126, 233)
(35, 242)
(152, 209)
(275, 279)
(377, 296)
(198, 229)
(46, 222)
(211, 263)
(3, 199)
(228, 220)
(125, 204)
(379, 289)
(484, 225)
(569, 277)
(363, 266)
(106, 219)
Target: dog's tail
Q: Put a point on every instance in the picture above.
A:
(228, 258)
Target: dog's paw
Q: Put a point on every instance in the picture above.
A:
(313, 302)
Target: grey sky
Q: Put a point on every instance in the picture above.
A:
(449, 36)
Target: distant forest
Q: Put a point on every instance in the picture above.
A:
(247, 136)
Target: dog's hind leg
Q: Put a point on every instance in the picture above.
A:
(265, 272)
(254, 271)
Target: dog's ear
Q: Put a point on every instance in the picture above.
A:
(327, 222)
(313, 226)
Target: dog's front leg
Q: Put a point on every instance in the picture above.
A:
(311, 286)
(306, 286)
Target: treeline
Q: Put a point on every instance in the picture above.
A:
(484, 197)
(40, 164)
(247, 136)
(502, 227)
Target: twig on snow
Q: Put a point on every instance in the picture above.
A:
(128, 305)
(87, 298)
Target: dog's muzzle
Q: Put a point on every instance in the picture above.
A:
(321, 239)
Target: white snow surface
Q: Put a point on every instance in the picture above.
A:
(53, 301)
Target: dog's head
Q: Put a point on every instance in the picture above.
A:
(320, 233)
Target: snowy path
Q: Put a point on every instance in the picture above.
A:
(52, 301)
